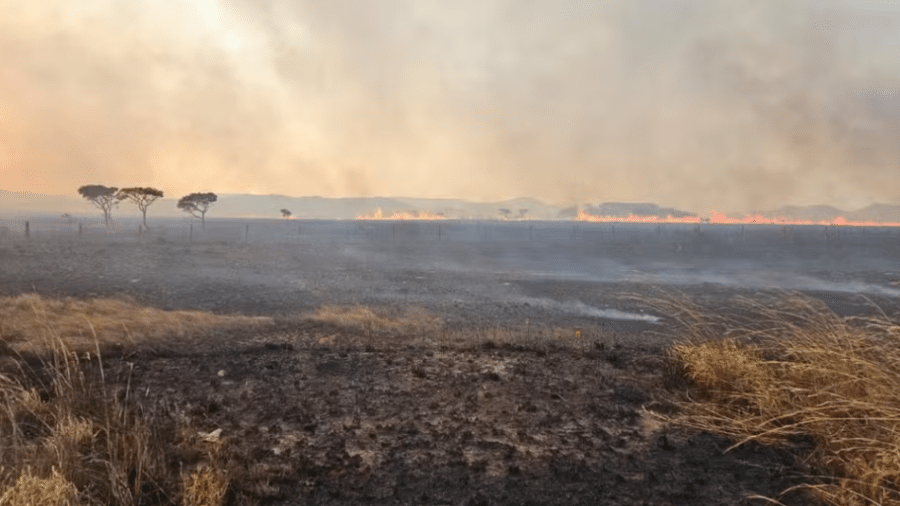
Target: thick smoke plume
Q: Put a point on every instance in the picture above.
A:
(697, 104)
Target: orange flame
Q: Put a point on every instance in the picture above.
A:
(583, 216)
(400, 215)
(718, 218)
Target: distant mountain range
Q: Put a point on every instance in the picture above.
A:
(23, 204)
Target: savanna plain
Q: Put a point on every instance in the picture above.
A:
(473, 364)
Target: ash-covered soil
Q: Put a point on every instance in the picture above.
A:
(469, 284)
(315, 413)
(307, 420)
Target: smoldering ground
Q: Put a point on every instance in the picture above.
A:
(463, 274)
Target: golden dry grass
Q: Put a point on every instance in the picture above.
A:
(68, 439)
(205, 486)
(79, 322)
(30, 490)
(369, 320)
(781, 371)
(72, 433)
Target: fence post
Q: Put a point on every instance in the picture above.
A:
(27, 230)
(139, 233)
(247, 233)
(439, 232)
(79, 231)
(191, 233)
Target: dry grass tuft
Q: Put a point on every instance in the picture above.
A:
(204, 486)
(71, 427)
(80, 322)
(66, 437)
(30, 490)
(407, 321)
(788, 370)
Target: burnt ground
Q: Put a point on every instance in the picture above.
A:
(393, 423)
(315, 413)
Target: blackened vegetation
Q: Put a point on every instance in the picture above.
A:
(391, 422)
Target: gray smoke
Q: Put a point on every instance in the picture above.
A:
(696, 104)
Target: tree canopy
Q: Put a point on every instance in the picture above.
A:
(141, 196)
(197, 204)
(103, 197)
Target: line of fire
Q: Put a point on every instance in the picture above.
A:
(715, 218)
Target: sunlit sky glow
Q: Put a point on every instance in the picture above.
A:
(696, 104)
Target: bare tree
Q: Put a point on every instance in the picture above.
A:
(143, 197)
(285, 213)
(505, 213)
(197, 204)
(103, 197)
(522, 213)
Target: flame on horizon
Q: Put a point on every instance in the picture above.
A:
(701, 103)
(377, 214)
(717, 218)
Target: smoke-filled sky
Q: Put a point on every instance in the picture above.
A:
(696, 104)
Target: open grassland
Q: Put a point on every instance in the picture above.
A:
(791, 373)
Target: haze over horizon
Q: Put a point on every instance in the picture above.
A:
(694, 104)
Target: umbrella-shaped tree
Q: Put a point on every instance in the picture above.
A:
(197, 204)
(103, 197)
(142, 197)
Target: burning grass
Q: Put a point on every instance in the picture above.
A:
(790, 372)
(377, 214)
(79, 322)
